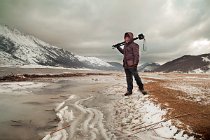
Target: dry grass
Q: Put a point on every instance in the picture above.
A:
(169, 99)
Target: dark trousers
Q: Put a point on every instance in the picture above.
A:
(130, 72)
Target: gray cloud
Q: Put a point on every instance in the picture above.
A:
(89, 27)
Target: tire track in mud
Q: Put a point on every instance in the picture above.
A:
(89, 123)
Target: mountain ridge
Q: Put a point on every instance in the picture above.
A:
(17, 48)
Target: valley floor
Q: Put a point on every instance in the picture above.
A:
(90, 105)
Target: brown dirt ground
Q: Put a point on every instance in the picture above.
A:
(198, 119)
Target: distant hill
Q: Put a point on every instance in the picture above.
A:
(148, 67)
(187, 64)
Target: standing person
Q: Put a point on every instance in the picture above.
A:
(130, 63)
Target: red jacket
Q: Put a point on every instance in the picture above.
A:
(130, 52)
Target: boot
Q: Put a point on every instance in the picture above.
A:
(128, 93)
(143, 91)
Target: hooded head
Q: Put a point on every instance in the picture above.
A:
(128, 37)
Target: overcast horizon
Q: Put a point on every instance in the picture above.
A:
(173, 28)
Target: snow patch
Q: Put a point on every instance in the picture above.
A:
(152, 114)
(197, 94)
(15, 65)
(206, 59)
(197, 71)
(65, 116)
(51, 67)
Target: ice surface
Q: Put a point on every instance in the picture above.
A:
(19, 88)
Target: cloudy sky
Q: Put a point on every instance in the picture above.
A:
(89, 27)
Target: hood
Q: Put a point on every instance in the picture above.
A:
(130, 34)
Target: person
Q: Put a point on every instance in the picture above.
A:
(130, 63)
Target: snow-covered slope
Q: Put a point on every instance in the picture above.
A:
(147, 67)
(26, 49)
(17, 48)
(93, 61)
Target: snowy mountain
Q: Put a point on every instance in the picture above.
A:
(117, 65)
(94, 62)
(148, 67)
(187, 64)
(17, 48)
